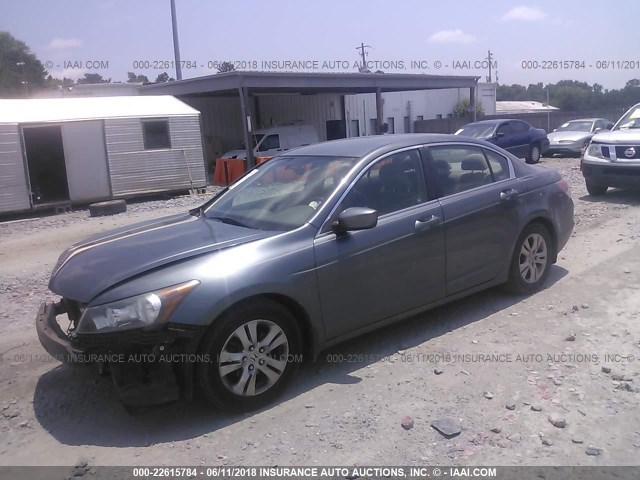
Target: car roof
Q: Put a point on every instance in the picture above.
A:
(361, 146)
(494, 121)
(585, 119)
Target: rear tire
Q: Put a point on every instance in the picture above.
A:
(596, 190)
(531, 260)
(534, 154)
(245, 373)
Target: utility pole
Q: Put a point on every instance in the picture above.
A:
(548, 112)
(176, 44)
(363, 54)
(489, 58)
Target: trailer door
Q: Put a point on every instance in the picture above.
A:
(86, 159)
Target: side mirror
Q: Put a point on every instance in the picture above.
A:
(597, 130)
(355, 218)
(499, 134)
(555, 129)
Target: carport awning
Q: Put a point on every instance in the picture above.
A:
(307, 83)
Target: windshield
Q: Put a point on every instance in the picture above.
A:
(583, 126)
(281, 194)
(630, 120)
(477, 130)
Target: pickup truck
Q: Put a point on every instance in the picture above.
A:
(515, 136)
(612, 159)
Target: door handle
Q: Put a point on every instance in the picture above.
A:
(423, 224)
(510, 194)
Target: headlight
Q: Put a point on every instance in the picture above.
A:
(152, 308)
(594, 150)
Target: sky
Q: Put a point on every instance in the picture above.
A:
(113, 37)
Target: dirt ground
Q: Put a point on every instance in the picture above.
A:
(500, 366)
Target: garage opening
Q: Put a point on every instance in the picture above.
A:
(45, 159)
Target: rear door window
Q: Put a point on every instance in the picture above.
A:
(519, 127)
(459, 168)
(498, 164)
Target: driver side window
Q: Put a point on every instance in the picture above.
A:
(391, 184)
(504, 129)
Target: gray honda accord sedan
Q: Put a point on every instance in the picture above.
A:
(315, 246)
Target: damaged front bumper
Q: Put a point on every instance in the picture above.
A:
(51, 336)
(147, 366)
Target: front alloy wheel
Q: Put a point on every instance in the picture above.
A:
(252, 352)
(253, 358)
(531, 260)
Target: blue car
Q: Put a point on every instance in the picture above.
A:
(515, 136)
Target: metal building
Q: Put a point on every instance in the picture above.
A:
(402, 109)
(234, 104)
(62, 151)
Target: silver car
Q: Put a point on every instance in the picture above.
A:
(572, 138)
(313, 247)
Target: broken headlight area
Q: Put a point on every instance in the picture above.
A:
(142, 311)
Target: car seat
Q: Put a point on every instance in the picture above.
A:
(478, 174)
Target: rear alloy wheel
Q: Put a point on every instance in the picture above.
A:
(596, 190)
(253, 353)
(534, 154)
(531, 260)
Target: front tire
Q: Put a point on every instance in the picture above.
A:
(531, 260)
(534, 154)
(596, 190)
(253, 352)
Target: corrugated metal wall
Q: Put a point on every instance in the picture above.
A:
(14, 194)
(221, 123)
(134, 170)
(307, 109)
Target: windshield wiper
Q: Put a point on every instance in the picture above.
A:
(230, 221)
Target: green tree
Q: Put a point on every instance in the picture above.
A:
(226, 67)
(93, 78)
(163, 78)
(20, 70)
(572, 95)
(52, 82)
(462, 109)
(133, 78)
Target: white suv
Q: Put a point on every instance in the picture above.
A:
(613, 158)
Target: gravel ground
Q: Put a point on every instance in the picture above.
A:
(377, 399)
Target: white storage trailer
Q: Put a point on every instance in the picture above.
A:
(60, 151)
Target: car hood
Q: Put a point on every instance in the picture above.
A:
(89, 267)
(623, 137)
(568, 135)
